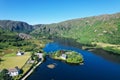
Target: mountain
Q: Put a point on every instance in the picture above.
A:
(103, 28)
(16, 26)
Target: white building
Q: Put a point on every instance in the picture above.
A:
(40, 55)
(19, 53)
(14, 72)
(64, 56)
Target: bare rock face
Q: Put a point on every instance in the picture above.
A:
(24, 36)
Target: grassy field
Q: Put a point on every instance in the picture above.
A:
(107, 45)
(12, 60)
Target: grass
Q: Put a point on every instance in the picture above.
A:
(106, 45)
(12, 60)
(109, 47)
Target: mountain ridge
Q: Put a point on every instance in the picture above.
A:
(85, 30)
(88, 30)
(104, 26)
(16, 26)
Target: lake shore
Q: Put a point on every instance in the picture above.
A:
(105, 54)
(92, 69)
(31, 70)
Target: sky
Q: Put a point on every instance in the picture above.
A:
(54, 11)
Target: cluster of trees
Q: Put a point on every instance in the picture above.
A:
(34, 57)
(57, 53)
(11, 38)
(74, 57)
(71, 56)
(4, 75)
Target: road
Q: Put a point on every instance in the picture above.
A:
(32, 70)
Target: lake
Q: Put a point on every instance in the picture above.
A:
(95, 67)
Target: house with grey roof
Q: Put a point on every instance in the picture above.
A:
(14, 71)
(63, 56)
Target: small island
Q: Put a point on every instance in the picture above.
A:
(51, 66)
(68, 56)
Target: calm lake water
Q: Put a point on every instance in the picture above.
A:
(94, 68)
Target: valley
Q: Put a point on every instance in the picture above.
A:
(97, 34)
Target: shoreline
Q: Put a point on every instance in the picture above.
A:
(105, 54)
(31, 70)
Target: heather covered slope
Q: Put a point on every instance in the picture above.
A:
(103, 28)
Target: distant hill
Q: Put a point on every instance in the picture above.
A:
(103, 28)
(16, 26)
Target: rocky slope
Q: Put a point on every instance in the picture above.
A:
(16, 26)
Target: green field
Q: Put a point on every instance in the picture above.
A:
(11, 60)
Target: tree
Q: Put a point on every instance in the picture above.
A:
(36, 58)
(4, 75)
(0, 60)
(32, 55)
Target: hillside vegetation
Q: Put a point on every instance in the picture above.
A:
(104, 28)
(87, 31)
(97, 29)
(11, 42)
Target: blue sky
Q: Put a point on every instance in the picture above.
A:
(52, 11)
